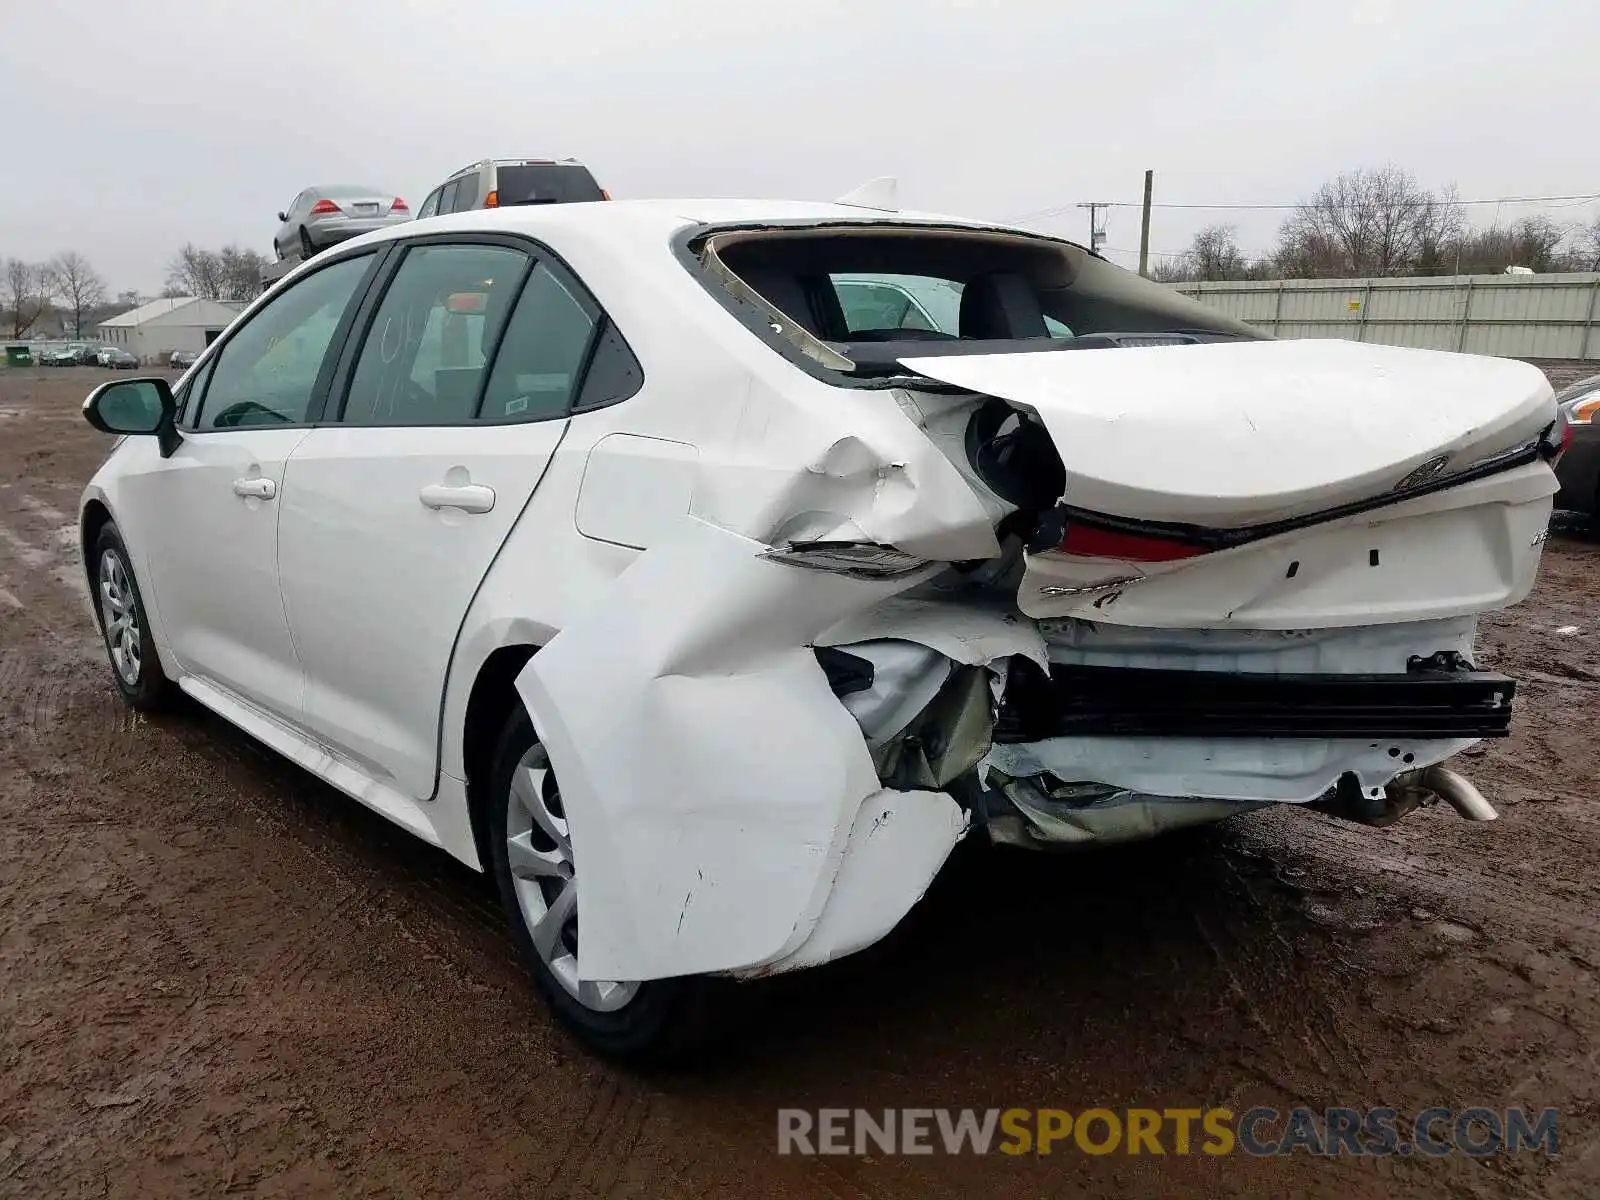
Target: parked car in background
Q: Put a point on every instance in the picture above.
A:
(609, 548)
(116, 358)
(508, 182)
(182, 359)
(76, 355)
(320, 217)
(1579, 468)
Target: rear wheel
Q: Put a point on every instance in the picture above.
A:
(134, 665)
(538, 876)
(307, 249)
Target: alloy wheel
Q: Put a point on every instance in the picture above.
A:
(544, 875)
(121, 617)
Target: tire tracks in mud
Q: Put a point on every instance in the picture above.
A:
(224, 976)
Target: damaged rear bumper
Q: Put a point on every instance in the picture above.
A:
(767, 771)
(725, 806)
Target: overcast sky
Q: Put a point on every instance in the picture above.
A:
(134, 127)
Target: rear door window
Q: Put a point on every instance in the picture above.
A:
(543, 353)
(545, 183)
(923, 302)
(466, 192)
(879, 302)
(423, 358)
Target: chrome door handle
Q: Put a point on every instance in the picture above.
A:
(468, 497)
(261, 489)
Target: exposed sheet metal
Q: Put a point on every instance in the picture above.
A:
(1043, 820)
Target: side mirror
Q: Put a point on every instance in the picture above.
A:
(135, 407)
(283, 216)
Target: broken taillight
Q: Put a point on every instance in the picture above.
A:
(1086, 541)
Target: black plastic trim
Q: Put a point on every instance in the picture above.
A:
(1142, 702)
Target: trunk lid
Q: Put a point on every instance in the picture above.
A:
(1232, 434)
(364, 206)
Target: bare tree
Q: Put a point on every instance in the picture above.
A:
(1374, 221)
(1585, 252)
(24, 295)
(1172, 269)
(241, 272)
(74, 282)
(1533, 242)
(1214, 254)
(195, 272)
(232, 273)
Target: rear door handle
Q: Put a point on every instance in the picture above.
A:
(261, 489)
(468, 497)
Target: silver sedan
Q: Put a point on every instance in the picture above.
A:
(320, 217)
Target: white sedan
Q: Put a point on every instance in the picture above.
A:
(646, 498)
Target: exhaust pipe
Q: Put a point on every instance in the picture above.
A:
(1405, 794)
(1457, 791)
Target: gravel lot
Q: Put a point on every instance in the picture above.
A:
(221, 977)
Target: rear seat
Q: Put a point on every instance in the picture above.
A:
(809, 301)
(1001, 305)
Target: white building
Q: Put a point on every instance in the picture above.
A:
(154, 330)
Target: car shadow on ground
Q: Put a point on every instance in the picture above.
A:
(1113, 957)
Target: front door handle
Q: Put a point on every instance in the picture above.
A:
(468, 497)
(261, 489)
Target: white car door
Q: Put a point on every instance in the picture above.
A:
(394, 512)
(209, 512)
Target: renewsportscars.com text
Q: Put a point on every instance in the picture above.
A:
(1475, 1131)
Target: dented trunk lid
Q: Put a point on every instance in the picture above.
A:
(1235, 434)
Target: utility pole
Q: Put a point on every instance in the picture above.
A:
(1144, 226)
(1097, 227)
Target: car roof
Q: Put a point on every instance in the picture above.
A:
(645, 216)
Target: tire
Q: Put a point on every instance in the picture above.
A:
(124, 627)
(307, 248)
(654, 1022)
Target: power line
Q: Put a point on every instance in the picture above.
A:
(1059, 209)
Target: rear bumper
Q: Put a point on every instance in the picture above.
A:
(1080, 701)
(332, 230)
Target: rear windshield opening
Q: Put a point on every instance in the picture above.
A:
(873, 294)
(554, 183)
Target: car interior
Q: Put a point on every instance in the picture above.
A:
(1017, 293)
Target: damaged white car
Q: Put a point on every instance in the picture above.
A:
(643, 546)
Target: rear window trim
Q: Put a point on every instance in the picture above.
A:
(692, 244)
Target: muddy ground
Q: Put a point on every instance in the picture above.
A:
(218, 976)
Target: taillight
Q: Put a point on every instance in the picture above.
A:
(399, 205)
(323, 207)
(492, 200)
(1085, 541)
